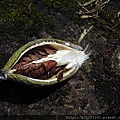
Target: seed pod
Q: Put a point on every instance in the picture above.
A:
(44, 62)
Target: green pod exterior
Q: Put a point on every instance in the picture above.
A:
(30, 81)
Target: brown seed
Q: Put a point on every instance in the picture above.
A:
(34, 74)
(37, 72)
(53, 69)
(33, 57)
(58, 69)
(46, 65)
(24, 67)
(60, 75)
(50, 51)
(51, 72)
(29, 74)
(20, 60)
(39, 56)
(26, 71)
(19, 71)
(44, 76)
(39, 65)
(30, 67)
(16, 66)
(49, 64)
(41, 71)
(33, 66)
(42, 52)
(28, 59)
(23, 63)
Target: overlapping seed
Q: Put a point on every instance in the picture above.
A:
(42, 70)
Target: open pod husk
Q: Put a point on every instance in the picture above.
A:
(58, 45)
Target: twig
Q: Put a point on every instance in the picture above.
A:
(83, 7)
(88, 3)
(100, 4)
(29, 8)
(85, 31)
(117, 22)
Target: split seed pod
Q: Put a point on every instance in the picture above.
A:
(44, 62)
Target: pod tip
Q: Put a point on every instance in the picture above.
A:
(3, 75)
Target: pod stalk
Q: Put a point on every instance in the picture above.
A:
(3, 75)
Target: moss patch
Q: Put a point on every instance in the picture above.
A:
(23, 19)
(20, 19)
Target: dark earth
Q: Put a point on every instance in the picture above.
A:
(94, 89)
